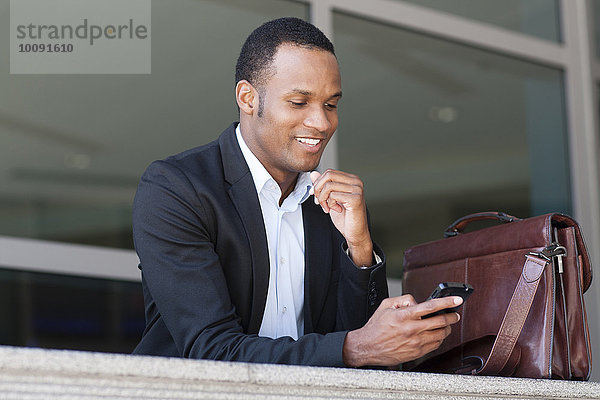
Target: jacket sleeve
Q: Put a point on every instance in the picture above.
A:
(360, 290)
(187, 287)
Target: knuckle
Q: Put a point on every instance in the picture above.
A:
(409, 298)
(411, 331)
(401, 315)
(335, 195)
(412, 313)
(431, 346)
(405, 300)
(447, 331)
(386, 303)
(329, 174)
(415, 342)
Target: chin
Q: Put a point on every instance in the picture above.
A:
(306, 164)
(310, 167)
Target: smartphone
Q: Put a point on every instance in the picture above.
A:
(446, 289)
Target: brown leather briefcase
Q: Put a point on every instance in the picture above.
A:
(526, 317)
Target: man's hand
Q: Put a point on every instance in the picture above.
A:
(396, 333)
(341, 195)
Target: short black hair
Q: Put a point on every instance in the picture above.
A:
(258, 51)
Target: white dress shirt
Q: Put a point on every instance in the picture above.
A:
(284, 310)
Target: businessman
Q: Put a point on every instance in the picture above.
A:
(248, 254)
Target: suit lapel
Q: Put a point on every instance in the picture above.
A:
(317, 259)
(317, 240)
(245, 199)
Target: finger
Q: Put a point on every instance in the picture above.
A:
(434, 339)
(334, 205)
(437, 335)
(319, 199)
(404, 301)
(431, 306)
(349, 201)
(431, 340)
(335, 176)
(314, 176)
(441, 321)
(337, 186)
(331, 181)
(407, 300)
(325, 189)
(340, 197)
(398, 302)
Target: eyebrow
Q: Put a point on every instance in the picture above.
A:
(309, 93)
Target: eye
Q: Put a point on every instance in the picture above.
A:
(330, 106)
(298, 103)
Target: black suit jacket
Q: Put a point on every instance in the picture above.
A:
(200, 237)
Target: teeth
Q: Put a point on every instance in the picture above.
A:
(312, 142)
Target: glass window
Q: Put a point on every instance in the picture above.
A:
(66, 312)
(539, 18)
(438, 130)
(74, 146)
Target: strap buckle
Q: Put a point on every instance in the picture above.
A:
(551, 251)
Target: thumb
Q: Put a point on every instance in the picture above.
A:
(314, 175)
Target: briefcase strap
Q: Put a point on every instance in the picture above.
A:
(515, 315)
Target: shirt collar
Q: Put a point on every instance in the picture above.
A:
(261, 176)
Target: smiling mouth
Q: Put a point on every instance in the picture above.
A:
(308, 141)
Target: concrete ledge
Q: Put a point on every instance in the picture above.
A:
(57, 374)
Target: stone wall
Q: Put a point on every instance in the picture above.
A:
(58, 374)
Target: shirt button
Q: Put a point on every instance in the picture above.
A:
(284, 309)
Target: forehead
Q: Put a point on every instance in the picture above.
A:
(300, 67)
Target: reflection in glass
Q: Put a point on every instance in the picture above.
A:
(66, 312)
(539, 18)
(438, 130)
(74, 146)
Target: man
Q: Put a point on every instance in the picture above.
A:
(238, 265)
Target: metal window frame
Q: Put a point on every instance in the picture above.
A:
(68, 259)
(581, 77)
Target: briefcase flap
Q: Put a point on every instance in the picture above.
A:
(530, 233)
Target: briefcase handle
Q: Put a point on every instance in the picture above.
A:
(460, 224)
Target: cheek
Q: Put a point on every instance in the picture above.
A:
(282, 116)
(333, 120)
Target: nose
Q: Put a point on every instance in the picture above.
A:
(318, 119)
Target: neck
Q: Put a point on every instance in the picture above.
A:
(286, 185)
(285, 180)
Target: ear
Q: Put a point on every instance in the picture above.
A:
(246, 96)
